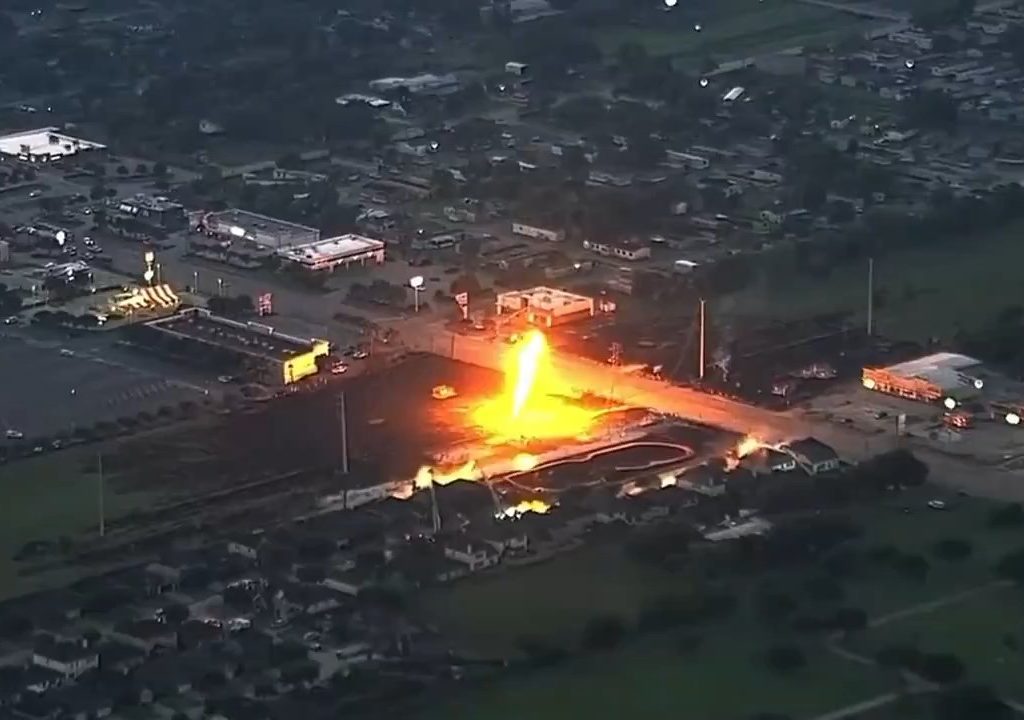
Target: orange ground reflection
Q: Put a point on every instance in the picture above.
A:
(532, 404)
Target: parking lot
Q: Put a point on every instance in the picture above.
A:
(51, 389)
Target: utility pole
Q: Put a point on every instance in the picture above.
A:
(701, 359)
(435, 513)
(871, 296)
(343, 426)
(99, 492)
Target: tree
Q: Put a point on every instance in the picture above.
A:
(603, 632)
(849, 620)
(784, 658)
(1009, 515)
(1011, 566)
(913, 567)
(971, 702)
(176, 614)
(941, 668)
(952, 549)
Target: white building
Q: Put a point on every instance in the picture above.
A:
(474, 557)
(537, 233)
(427, 83)
(631, 251)
(331, 253)
(43, 145)
(67, 658)
(546, 306)
(675, 158)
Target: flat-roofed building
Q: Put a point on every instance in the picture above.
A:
(280, 359)
(949, 377)
(330, 253)
(44, 144)
(156, 211)
(546, 306)
(258, 229)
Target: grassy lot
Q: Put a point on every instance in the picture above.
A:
(974, 630)
(550, 600)
(925, 289)
(734, 27)
(45, 498)
(652, 677)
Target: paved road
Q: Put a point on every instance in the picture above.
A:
(601, 379)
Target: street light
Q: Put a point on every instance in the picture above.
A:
(416, 283)
(150, 258)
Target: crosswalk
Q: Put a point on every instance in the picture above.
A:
(139, 392)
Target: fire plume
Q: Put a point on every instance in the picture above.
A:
(534, 346)
(533, 403)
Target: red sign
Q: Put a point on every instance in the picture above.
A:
(265, 304)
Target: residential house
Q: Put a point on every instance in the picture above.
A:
(246, 546)
(147, 635)
(70, 659)
(305, 599)
(814, 456)
(503, 536)
(348, 581)
(475, 555)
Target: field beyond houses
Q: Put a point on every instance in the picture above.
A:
(690, 670)
(735, 28)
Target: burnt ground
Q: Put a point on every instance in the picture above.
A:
(394, 425)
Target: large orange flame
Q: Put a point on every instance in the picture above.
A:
(533, 404)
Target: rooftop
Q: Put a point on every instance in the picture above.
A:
(252, 339)
(335, 248)
(944, 369)
(154, 203)
(44, 141)
(259, 228)
(545, 298)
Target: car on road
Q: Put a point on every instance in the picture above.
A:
(360, 355)
(67, 353)
(225, 379)
(937, 504)
(35, 193)
(13, 434)
(339, 368)
(12, 320)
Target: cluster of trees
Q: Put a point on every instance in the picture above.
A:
(239, 305)
(939, 668)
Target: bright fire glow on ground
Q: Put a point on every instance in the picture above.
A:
(532, 404)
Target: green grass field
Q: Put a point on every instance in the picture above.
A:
(737, 28)
(651, 679)
(974, 630)
(45, 498)
(928, 292)
(550, 600)
(650, 676)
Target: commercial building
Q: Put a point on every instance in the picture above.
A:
(546, 306)
(537, 233)
(328, 254)
(276, 358)
(946, 377)
(147, 210)
(44, 145)
(258, 229)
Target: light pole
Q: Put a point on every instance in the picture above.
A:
(150, 258)
(220, 287)
(416, 283)
(195, 281)
(158, 274)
